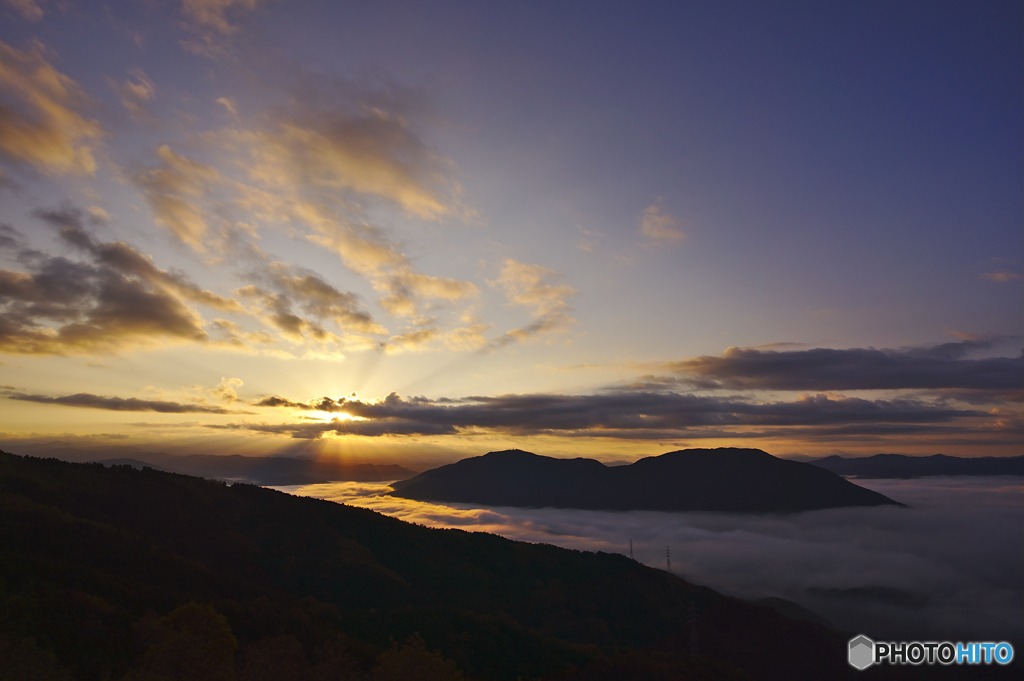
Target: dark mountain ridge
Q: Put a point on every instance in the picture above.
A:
(125, 574)
(904, 467)
(724, 479)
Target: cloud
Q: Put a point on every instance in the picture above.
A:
(405, 287)
(404, 291)
(411, 340)
(314, 430)
(225, 390)
(291, 299)
(297, 287)
(373, 154)
(95, 311)
(634, 415)
(114, 300)
(208, 23)
(659, 229)
(323, 172)
(99, 214)
(942, 366)
(213, 13)
(174, 191)
(956, 549)
(120, 404)
(39, 125)
(1000, 276)
(275, 401)
(10, 238)
(30, 10)
(231, 334)
(136, 93)
(123, 258)
(467, 338)
(228, 104)
(531, 286)
(321, 300)
(6, 182)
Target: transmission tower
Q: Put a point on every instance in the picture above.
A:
(668, 560)
(631, 548)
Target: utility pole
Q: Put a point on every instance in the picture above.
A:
(668, 560)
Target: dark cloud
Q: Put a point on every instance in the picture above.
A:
(10, 238)
(286, 287)
(312, 431)
(275, 401)
(114, 299)
(119, 256)
(945, 366)
(634, 415)
(120, 403)
(323, 404)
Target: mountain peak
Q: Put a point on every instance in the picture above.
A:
(725, 479)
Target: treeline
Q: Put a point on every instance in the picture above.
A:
(126, 575)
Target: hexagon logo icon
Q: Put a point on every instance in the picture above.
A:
(862, 652)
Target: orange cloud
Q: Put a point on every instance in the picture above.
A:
(136, 93)
(28, 9)
(42, 128)
(213, 13)
(1000, 276)
(174, 191)
(207, 21)
(373, 154)
(293, 187)
(660, 229)
(530, 286)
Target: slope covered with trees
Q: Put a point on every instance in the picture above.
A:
(124, 574)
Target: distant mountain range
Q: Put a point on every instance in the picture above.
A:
(901, 466)
(275, 470)
(725, 479)
(258, 470)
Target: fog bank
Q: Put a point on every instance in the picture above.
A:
(951, 566)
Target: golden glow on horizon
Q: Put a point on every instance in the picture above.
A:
(231, 282)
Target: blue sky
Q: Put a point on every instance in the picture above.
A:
(636, 212)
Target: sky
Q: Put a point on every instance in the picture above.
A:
(414, 232)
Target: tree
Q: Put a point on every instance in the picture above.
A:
(193, 643)
(415, 663)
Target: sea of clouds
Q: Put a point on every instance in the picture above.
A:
(950, 566)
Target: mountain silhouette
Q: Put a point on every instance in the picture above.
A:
(724, 479)
(902, 466)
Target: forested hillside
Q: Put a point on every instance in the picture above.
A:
(138, 574)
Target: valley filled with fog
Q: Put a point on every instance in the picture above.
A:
(946, 567)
